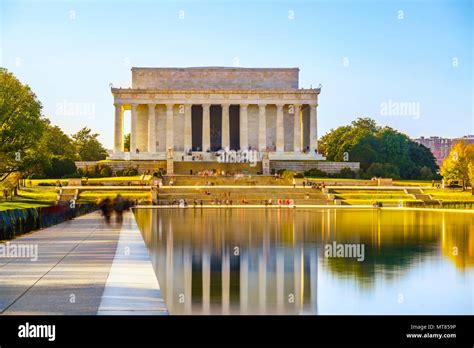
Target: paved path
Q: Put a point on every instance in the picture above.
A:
(259, 206)
(73, 269)
(132, 287)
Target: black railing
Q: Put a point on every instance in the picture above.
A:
(14, 222)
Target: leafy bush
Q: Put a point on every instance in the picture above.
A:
(298, 175)
(36, 176)
(60, 167)
(132, 172)
(100, 170)
(383, 170)
(105, 171)
(288, 174)
(347, 173)
(129, 171)
(46, 184)
(426, 173)
(316, 173)
(72, 176)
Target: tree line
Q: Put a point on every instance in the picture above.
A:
(381, 151)
(30, 144)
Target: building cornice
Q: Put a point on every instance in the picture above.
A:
(215, 91)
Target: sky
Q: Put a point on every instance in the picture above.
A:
(406, 64)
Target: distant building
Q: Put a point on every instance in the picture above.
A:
(440, 147)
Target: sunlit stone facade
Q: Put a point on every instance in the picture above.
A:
(198, 111)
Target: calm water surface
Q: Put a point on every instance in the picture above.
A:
(269, 261)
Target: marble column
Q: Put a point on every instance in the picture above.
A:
(225, 282)
(244, 283)
(206, 127)
(313, 128)
(298, 269)
(151, 128)
(262, 127)
(313, 269)
(133, 129)
(169, 127)
(244, 128)
(280, 280)
(225, 140)
(297, 128)
(280, 130)
(188, 277)
(118, 133)
(188, 133)
(206, 279)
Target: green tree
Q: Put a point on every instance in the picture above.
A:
(383, 170)
(60, 167)
(126, 142)
(471, 176)
(20, 124)
(330, 144)
(426, 173)
(340, 140)
(365, 151)
(57, 143)
(88, 146)
(369, 144)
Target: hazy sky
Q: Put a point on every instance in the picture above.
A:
(407, 64)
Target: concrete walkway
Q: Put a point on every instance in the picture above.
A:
(132, 287)
(73, 269)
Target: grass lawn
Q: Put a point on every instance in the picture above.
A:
(450, 195)
(395, 182)
(31, 198)
(390, 202)
(36, 182)
(331, 179)
(364, 197)
(375, 197)
(95, 195)
(412, 182)
(41, 196)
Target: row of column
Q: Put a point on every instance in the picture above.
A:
(272, 279)
(206, 127)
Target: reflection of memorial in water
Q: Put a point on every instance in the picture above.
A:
(243, 269)
(268, 261)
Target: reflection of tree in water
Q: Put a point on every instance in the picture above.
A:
(387, 260)
(397, 239)
(458, 244)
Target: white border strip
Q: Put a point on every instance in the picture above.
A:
(132, 287)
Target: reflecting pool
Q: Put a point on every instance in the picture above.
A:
(308, 261)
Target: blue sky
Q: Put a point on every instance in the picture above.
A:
(366, 54)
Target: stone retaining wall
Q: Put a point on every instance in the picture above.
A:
(301, 166)
(197, 166)
(14, 222)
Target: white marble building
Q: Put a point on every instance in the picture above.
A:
(202, 110)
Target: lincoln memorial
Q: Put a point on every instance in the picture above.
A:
(199, 111)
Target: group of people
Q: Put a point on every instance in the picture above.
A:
(118, 204)
(183, 203)
(314, 185)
